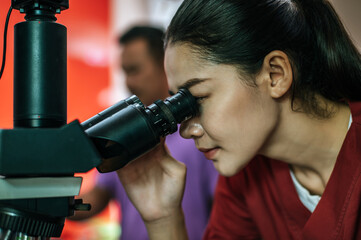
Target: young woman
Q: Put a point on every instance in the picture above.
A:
(279, 90)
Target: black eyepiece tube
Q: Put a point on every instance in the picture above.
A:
(181, 104)
(110, 111)
(123, 133)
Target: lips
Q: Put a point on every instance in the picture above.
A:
(209, 153)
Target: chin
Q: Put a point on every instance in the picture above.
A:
(227, 170)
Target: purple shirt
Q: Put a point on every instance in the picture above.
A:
(197, 199)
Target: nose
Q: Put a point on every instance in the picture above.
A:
(191, 128)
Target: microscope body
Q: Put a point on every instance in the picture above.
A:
(39, 156)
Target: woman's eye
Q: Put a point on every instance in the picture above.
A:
(200, 99)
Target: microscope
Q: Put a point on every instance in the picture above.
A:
(41, 154)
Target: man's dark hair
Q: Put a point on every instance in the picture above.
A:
(241, 33)
(152, 35)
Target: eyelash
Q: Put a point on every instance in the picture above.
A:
(200, 99)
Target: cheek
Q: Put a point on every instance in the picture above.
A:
(257, 121)
(220, 119)
(241, 124)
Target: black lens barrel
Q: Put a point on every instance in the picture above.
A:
(40, 96)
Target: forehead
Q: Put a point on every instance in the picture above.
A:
(183, 63)
(136, 49)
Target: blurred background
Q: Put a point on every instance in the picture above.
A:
(95, 80)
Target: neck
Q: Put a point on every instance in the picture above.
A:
(309, 145)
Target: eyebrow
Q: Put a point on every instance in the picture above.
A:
(190, 83)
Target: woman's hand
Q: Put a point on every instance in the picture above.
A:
(155, 184)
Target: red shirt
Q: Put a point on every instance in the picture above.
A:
(261, 201)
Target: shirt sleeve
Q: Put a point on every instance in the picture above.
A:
(230, 218)
(107, 181)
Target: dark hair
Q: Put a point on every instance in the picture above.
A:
(152, 35)
(242, 32)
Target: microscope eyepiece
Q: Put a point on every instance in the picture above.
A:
(128, 129)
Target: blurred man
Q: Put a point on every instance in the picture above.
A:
(142, 62)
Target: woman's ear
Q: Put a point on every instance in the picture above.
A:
(277, 71)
